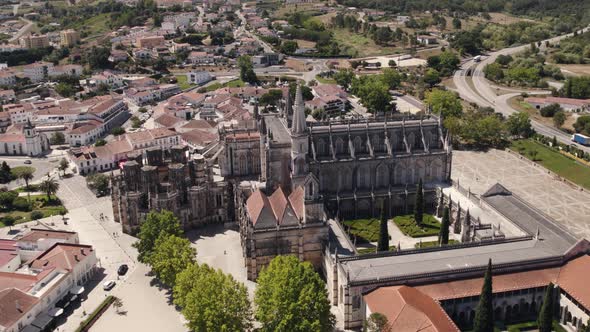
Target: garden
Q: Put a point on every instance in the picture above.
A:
(363, 230)
(430, 226)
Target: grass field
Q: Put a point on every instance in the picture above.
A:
(357, 45)
(406, 224)
(432, 244)
(554, 161)
(182, 82)
(96, 26)
(323, 80)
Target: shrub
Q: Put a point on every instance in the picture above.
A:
(21, 204)
(36, 215)
(550, 110)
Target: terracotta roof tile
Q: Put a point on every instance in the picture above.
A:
(14, 304)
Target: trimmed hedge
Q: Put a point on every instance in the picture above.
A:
(406, 224)
(95, 315)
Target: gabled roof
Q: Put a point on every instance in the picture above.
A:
(62, 256)
(276, 209)
(496, 190)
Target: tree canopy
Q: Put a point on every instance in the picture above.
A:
(484, 313)
(156, 224)
(211, 300)
(170, 256)
(292, 297)
(444, 102)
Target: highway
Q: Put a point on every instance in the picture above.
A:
(482, 92)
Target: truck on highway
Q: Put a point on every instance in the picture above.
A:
(581, 139)
(477, 58)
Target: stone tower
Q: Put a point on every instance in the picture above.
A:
(299, 142)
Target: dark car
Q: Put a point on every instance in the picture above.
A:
(123, 269)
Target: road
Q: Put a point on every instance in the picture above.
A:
(483, 93)
(24, 30)
(242, 30)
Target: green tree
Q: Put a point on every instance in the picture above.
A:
(419, 204)
(519, 124)
(443, 236)
(559, 119)
(117, 131)
(391, 78)
(8, 221)
(292, 297)
(99, 183)
(57, 138)
(484, 313)
(212, 301)
(65, 89)
(247, 73)
(377, 322)
(383, 243)
(373, 94)
(493, 71)
(5, 173)
(100, 142)
(272, 97)
(63, 165)
(545, 319)
(431, 77)
(444, 102)
(170, 256)
(289, 46)
(49, 186)
(25, 173)
(456, 23)
(344, 78)
(156, 224)
(6, 199)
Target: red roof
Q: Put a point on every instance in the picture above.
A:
(62, 256)
(409, 310)
(14, 304)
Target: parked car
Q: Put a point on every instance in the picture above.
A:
(107, 286)
(28, 162)
(123, 269)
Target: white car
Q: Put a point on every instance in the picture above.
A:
(107, 286)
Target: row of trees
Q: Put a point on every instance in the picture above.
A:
(290, 295)
(477, 127)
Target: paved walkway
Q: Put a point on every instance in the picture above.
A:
(480, 170)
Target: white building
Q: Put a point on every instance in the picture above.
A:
(198, 77)
(23, 140)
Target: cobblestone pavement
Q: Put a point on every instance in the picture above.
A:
(533, 183)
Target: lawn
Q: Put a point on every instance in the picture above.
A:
(39, 203)
(365, 230)
(406, 224)
(554, 161)
(364, 251)
(235, 84)
(530, 326)
(432, 244)
(182, 82)
(324, 80)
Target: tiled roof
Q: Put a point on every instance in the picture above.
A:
(14, 304)
(167, 120)
(62, 256)
(35, 234)
(409, 310)
(276, 205)
(572, 279)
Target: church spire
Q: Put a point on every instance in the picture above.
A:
(298, 126)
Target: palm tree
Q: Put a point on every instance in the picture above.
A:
(49, 186)
(26, 174)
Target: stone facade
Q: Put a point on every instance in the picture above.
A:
(172, 180)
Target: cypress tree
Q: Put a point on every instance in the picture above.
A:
(545, 319)
(443, 236)
(419, 204)
(484, 315)
(383, 243)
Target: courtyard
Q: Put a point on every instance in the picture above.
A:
(478, 171)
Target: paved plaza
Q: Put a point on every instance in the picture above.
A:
(561, 201)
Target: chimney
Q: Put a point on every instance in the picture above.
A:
(18, 307)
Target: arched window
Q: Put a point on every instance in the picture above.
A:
(358, 145)
(339, 146)
(321, 147)
(382, 176)
(242, 165)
